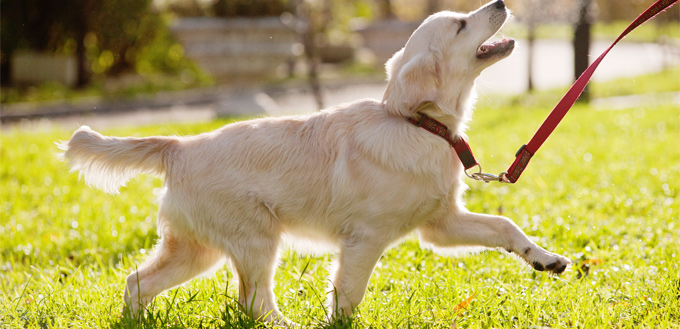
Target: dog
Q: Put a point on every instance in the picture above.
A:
(358, 176)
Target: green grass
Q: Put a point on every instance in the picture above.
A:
(602, 191)
(648, 85)
(649, 32)
(661, 82)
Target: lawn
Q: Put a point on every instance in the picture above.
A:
(602, 31)
(602, 191)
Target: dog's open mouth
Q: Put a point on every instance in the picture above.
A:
(500, 48)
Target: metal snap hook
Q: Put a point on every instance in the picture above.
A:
(484, 177)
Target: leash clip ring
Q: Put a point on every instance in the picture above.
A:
(484, 177)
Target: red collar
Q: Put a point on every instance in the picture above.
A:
(458, 143)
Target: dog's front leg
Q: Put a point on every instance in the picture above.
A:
(353, 267)
(463, 228)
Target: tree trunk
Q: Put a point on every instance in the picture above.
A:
(582, 45)
(531, 38)
(306, 32)
(432, 6)
(83, 73)
(385, 9)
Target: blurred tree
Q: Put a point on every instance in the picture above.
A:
(33, 24)
(581, 42)
(627, 10)
(534, 13)
(385, 9)
(80, 22)
(122, 28)
(432, 6)
(309, 29)
(250, 8)
(106, 36)
(579, 13)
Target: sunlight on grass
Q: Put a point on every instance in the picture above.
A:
(602, 191)
(601, 31)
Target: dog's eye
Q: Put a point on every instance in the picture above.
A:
(462, 25)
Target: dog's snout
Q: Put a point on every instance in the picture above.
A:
(499, 4)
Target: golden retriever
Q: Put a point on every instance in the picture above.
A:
(358, 176)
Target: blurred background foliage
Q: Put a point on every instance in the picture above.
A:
(127, 40)
(125, 46)
(115, 34)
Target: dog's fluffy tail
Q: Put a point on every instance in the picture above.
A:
(109, 162)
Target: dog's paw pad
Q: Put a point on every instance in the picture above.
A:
(537, 266)
(555, 264)
(560, 269)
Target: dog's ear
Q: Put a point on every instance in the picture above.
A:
(392, 65)
(410, 83)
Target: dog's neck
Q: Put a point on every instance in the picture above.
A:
(431, 109)
(425, 121)
(452, 107)
(436, 120)
(454, 117)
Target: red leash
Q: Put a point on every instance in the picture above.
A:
(525, 153)
(528, 150)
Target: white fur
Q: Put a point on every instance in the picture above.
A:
(358, 177)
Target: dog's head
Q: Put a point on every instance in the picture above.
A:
(443, 57)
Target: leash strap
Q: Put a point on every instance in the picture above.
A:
(528, 150)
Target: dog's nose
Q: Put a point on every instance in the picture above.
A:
(499, 4)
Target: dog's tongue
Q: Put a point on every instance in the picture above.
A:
(489, 49)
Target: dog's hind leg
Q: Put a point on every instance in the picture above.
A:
(176, 259)
(463, 228)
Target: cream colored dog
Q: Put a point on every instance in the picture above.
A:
(358, 176)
